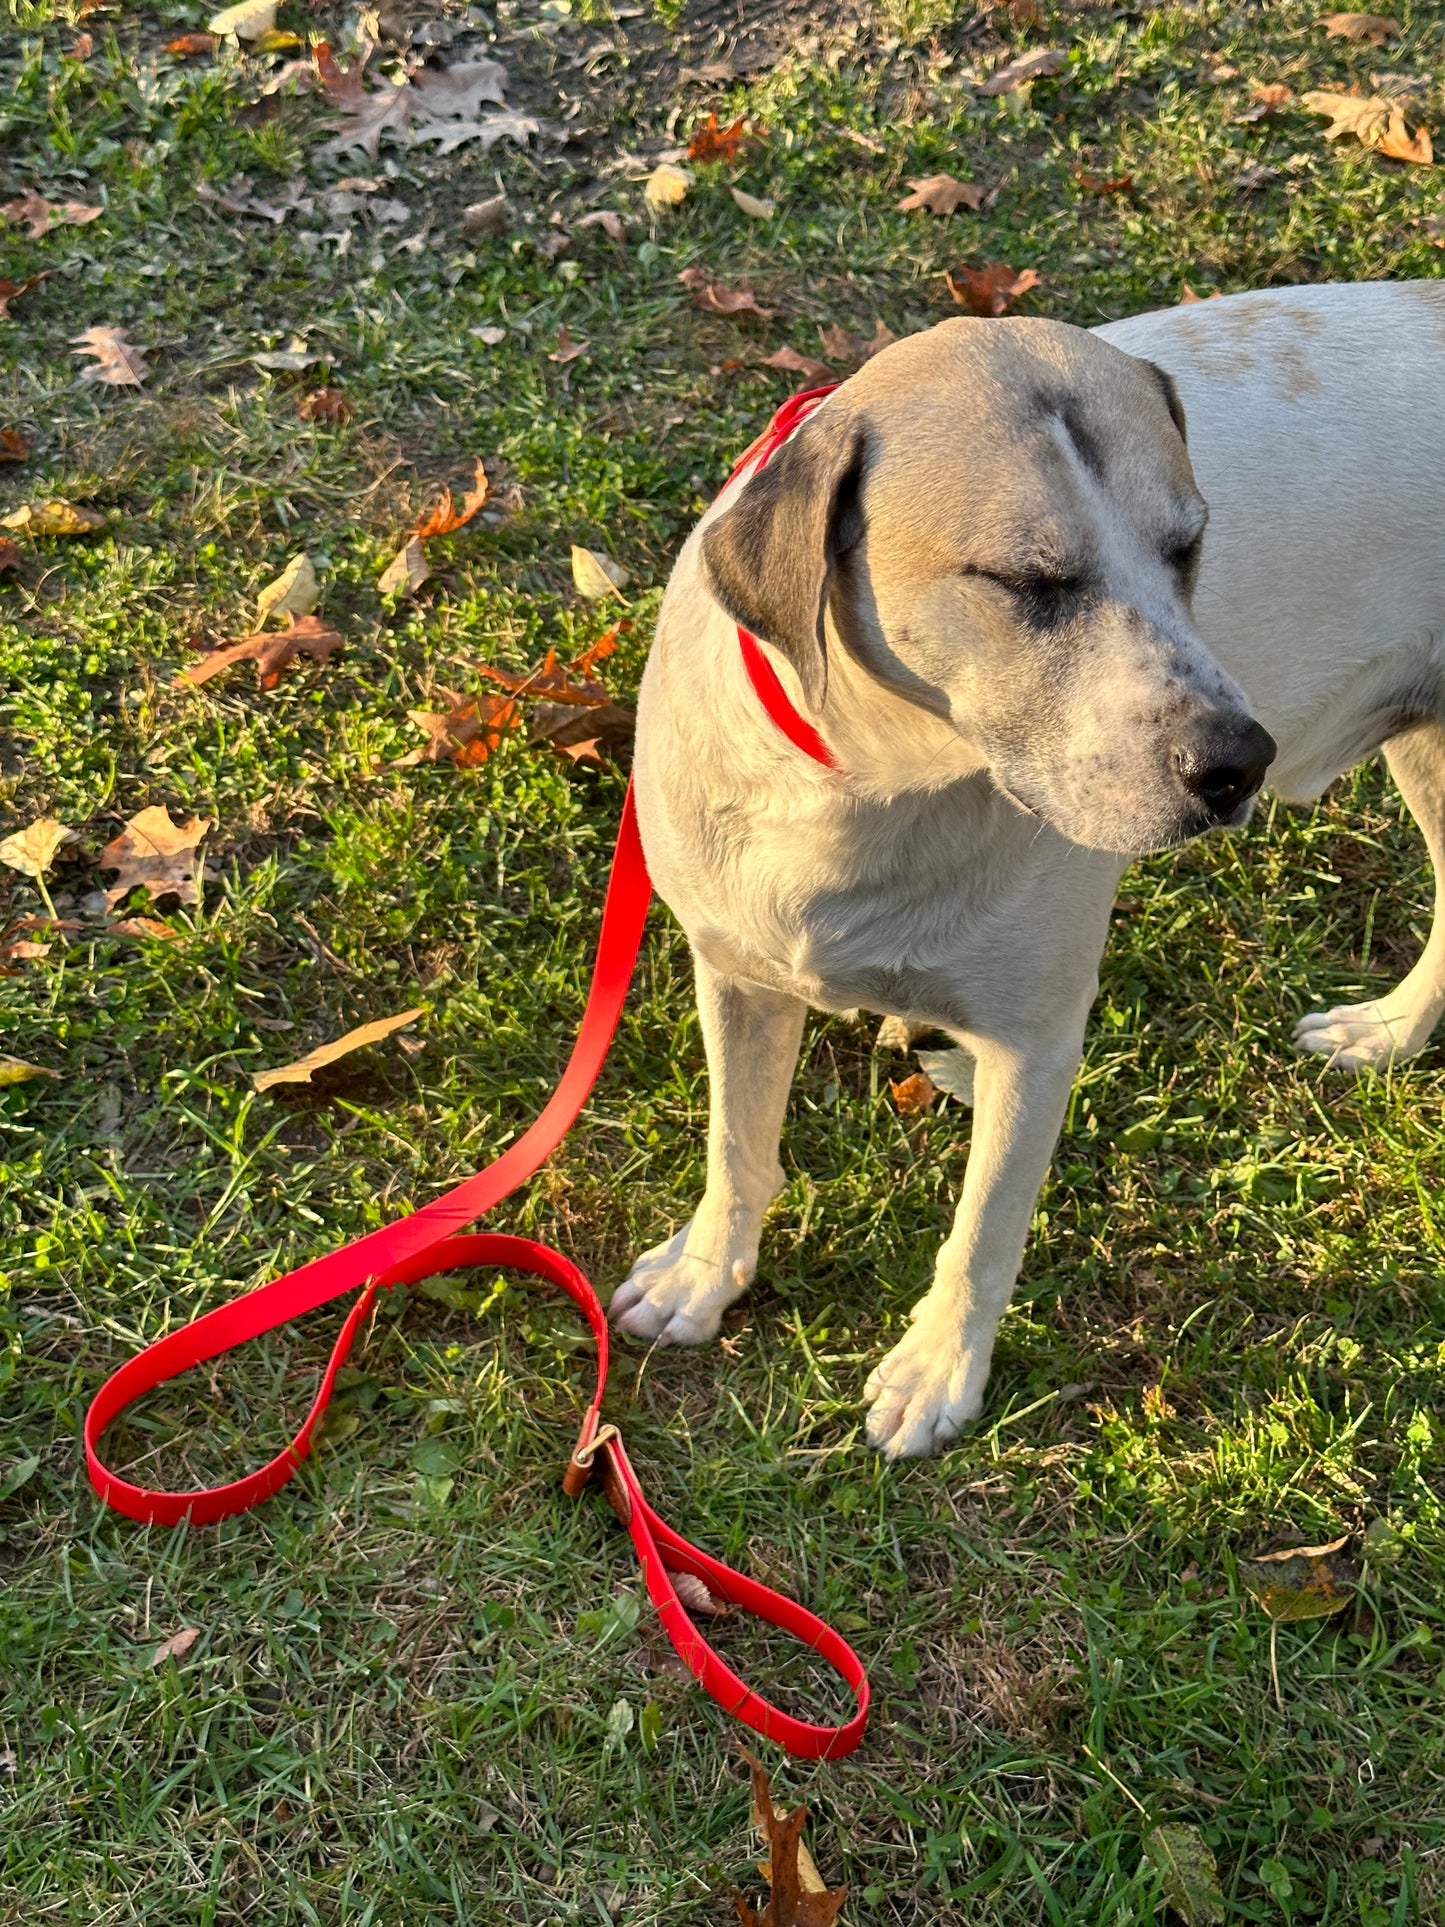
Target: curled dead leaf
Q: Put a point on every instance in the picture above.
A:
(179, 1644)
(799, 1896)
(749, 204)
(186, 46)
(1376, 28)
(913, 1094)
(445, 518)
(271, 651)
(1293, 1583)
(14, 445)
(713, 298)
(301, 1071)
(991, 289)
(596, 575)
(607, 219)
(407, 570)
(325, 405)
(1267, 100)
(465, 733)
(1102, 183)
(294, 593)
(567, 349)
(710, 142)
(32, 850)
(12, 290)
(15, 1070)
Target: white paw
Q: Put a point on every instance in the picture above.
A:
(925, 1391)
(677, 1296)
(1359, 1037)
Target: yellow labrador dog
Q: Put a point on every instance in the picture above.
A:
(981, 572)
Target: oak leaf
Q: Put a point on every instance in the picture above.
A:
(913, 1094)
(53, 518)
(154, 854)
(32, 850)
(117, 362)
(883, 337)
(788, 359)
(271, 652)
(992, 289)
(1376, 28)
(710, 142)
(1039, 65)
(713, 298)
(293, 594)
(301, 1071)
(466, 732)
(599, 650)
(1375, 122)
(14, 445)
(458, 92)
(798, 1896)
(40, 215)
(12, 290)
(838, 344)
(941, 194)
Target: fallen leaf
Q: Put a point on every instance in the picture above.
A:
(53, 518)
(143, 927)
(295, 592)
(446, 517)
(15, 950)
(1375, 121)
(325, 405)
(40, 215)
(1301, 1582)
(82, 47)
(247, 21)
(1188, 1875)
(813, 372)
(9, 555)
(12, 290)
(1025, 14)
(301, 1071)
(597, 575)
(710, 142)
(339, 86)
(507, 125)
(713, 298)
(1028, 67)
(665, 186)
(118, 362)
(179, 1644)
(941, 194)
(750, 204)
(838, 344)
(15, 1070)
(466, 733)
(798, 1897)
(1189, 296)
(187, 45)
(897, 1034)
(271, 652)
(600, 650)
(1433, 228)
(367, 116)
(883, 337)
(1267, 100)
(913, 1094)
(14, 445)
(489, 337)
(1376, 28)
(406, 571)
(238, 198)
(458, 92)
(605, 218)
(32, 850)
(493, 216)
(1397, 143)
(990, 290)
(950, 1071)
(154, 854)
(696, 1597)
(567, 349)
(1102, 183)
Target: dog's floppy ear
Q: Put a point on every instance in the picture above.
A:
(1171, 398)
(770, 559)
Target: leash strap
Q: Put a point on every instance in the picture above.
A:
(428, 1242)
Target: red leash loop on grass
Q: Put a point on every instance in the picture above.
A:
(428, 1242)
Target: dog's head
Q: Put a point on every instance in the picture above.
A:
(999, 521)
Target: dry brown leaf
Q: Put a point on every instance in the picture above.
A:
(494, 216)
(1397, 143)
(567, 349)
(118, 362)
(14, 445)
(565, 726)
(407, 570)
(603, 217)
(53, 518)
(294, 593)
(598, 651)
(143, 927)
(713, 298)
(466, 733)
(1267, 100)
(1433, 228)
(883, 337)
(32, 850)
(813, 372)
(1375, 121)
(9, 555)
(1102, 183)
(154, 854)
(187, 45)
(301, 1071)
(12, 290)
(913, 1094)
(838, 344)
(1028, 67)
(445, 518)
(1293, 1583)
(1376, 28)
(798, 1896)
(17, 946)
(596, 575)
(176, 1647)
(82, 47)
(710, 142)
(40, 215)
(992, 289)
(1189, 296)
(941, 194)
(271, 652)
(325, 405)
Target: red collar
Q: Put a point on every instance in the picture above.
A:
(761, 673)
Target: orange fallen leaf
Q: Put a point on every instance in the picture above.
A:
(992, 289)
(82, 47)
(301, 1071)
(154, 854)
(1189, 296)
(465, 733)
(1267, 100)
(1375, 121)
(913, 1094)
(1102, 183)
(600, 650)
(176, 1647)
(1376, 28)
(325, 405)
(1397, 143)
(710, 142)
(814, 372)
(271, 652)
(713, 298)
(798, 1896)
(444, 518)
(186, 45)
(12, 290)
(143, 927)
(941, 194)
(14, 445)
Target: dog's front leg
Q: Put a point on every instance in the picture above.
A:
(934, 1379)
(679, 1291)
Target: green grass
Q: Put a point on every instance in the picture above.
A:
(1230, 1317)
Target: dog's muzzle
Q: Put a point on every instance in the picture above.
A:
(1223, 766)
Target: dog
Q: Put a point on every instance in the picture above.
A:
(981, 573)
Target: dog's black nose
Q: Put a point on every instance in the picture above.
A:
(1224, 767)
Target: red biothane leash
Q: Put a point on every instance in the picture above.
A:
(428, 1242)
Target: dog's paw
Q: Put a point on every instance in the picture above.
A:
(924, 1392)
(676, 1296)
(1358, 1037)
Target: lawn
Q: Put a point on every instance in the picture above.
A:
(426, 1688)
